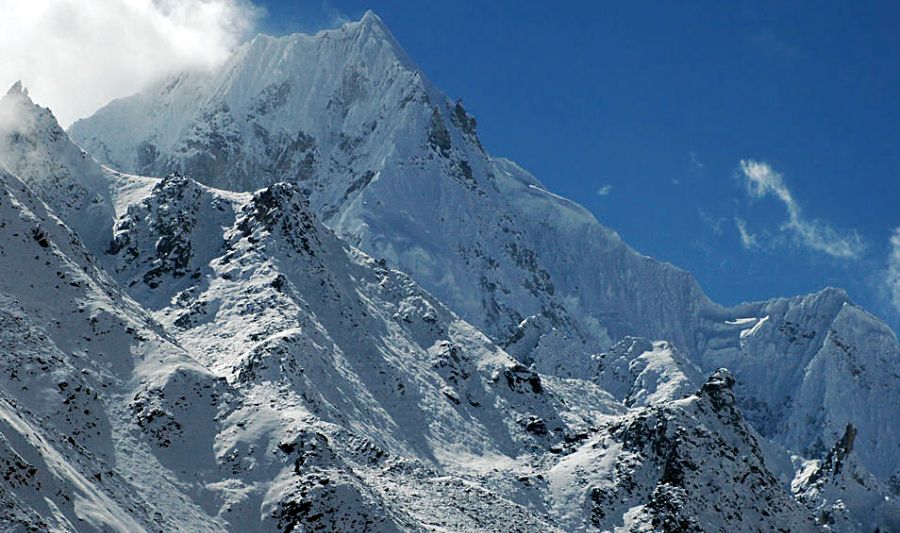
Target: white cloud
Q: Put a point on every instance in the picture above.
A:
(748, 239)
(817, 235)
(893, 271)
(605, 190)
(76, 55)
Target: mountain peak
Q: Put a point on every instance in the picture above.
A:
(720, 379)
(19, 106)
(372, 27)
(17, 89)
(372, 22)
(370, 17)
(18, 95)
(35, 148)
(719, 389)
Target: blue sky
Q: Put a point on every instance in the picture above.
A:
(644, 112)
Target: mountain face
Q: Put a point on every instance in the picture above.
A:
(298, 320)
(844, 496)
(335, 311)
(276, 379)
(75, 353)
(395, 168)
(35, 148)
(646, 470)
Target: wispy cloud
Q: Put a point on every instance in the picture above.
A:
(818, 235)
(748, 239)
(893, 271)
(712, 222)
(695, 161)
(75, 55)
(605, 190)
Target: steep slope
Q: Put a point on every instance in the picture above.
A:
(809, 366)
(325, 391)
(75, 352)
(36, 149)
(346, 384)
(396, 168)
(300, 322)
(639, 373)
(843, 495)
(691, 464)
(107, 424)
(274, 301)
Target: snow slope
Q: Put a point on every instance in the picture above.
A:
(35, 148)
(75, 351)
(107, 424)
(843, 494)
(396, 168)
(691, 464)
(332, 394)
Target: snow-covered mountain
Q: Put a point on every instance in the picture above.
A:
(394, 167)
(35, 148)
(336, 311)
(645, 470)
(843, 494)
(297, 384)
(75, 354)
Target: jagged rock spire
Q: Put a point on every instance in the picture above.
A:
(841, 449)
(17, 88)
(718, 389)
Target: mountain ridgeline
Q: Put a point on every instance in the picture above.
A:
(296, 293)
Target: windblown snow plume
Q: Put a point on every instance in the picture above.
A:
(76, 56)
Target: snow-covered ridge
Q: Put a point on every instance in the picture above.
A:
(306, 429)
(396, 168)
(35, 148)
(223, 360)
(294, 418)
(651, 470)
(843, 495)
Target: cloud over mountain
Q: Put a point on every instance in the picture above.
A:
(76, 56)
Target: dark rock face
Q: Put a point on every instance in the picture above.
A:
(675, 452)
(324, 494)
(438, 134)
(834, 461)
(536, 426)
(842, 449)
(157, 240)
(173, 225)
(842, 494)
(283, 208)
(719, 390)
(523, 379)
